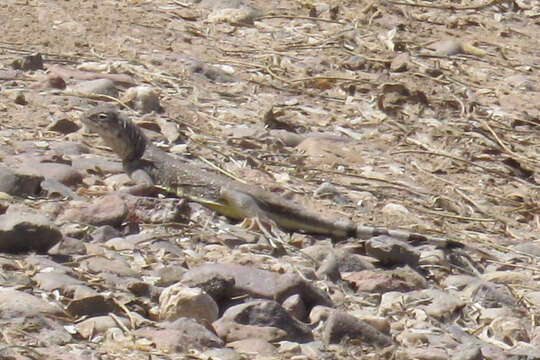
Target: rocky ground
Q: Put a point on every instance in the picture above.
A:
(422, 116)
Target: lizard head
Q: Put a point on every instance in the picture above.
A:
(101, 118)
(117, 131)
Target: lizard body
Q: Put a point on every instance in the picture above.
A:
(149, 165)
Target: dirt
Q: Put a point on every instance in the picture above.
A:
(440, 100)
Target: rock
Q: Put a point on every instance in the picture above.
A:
(49, 281)
(20, 304)
(223, 354)
(97, 86)
(181, 335)
(217, 285)
(104, 233)
(290, 348)
(346, 259)
(239, 321)
(247, 279)
(100, 264)
(509, 330)
(253, 346)
(91, 305)
(171, 274)
(155, 211)
(42, 327)
(381, 323)
(354, 63)
(211, 73)
(428, 353)
(143, 99)
(106, 210)
(295, 306)
(291, 284)
(29, 62)
(530, 248)
(319, 314)
(507, 277)
(390, 251)
(178, 301)
(144, 289)
(170, 130)
(53, 188)
(60, 172)
(329, 268)
(22, 231)
(376, 282)
(19, 183)
(489, 295)
(434, 302)
(242, 16)
(63, 126)
(342, 325)
(98, 325)
(467, 352)
(400, 63)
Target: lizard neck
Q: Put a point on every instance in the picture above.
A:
(126, 140)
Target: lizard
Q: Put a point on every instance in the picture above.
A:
(148, 165)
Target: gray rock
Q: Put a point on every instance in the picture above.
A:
(20, 304)
(54, 188)
(291, 284)
(98, 325)
(91, 305)
(60, 172)
(211, 73)
(252, 346)
(179, 300)
(260, 314)
(341, 325)
(223, 354)
(98, 86)
(64, 126)
(438, 304)
(106, 210)
(104, 233)
(295, 306)
(19, 184)
(467, 352)
(49, 281)
(143, 99)
(100, 264)
(155, 211)
(24, 231)
(390, 251)
(247, 279)
(217, 285)
(171, 274)
(143, 289)
(329, 268)
(180, 335)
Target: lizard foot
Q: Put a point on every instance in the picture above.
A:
(270, 231)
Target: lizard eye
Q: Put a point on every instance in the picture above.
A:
(103, 116)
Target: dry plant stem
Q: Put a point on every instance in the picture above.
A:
(451, 216)
(94, 97)
(468, 162)
(531, 268)
(484, 211)
(445, 6)
(299, 17)
(224, 172)
(502, 145)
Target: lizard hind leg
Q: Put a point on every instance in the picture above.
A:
(241, 205)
